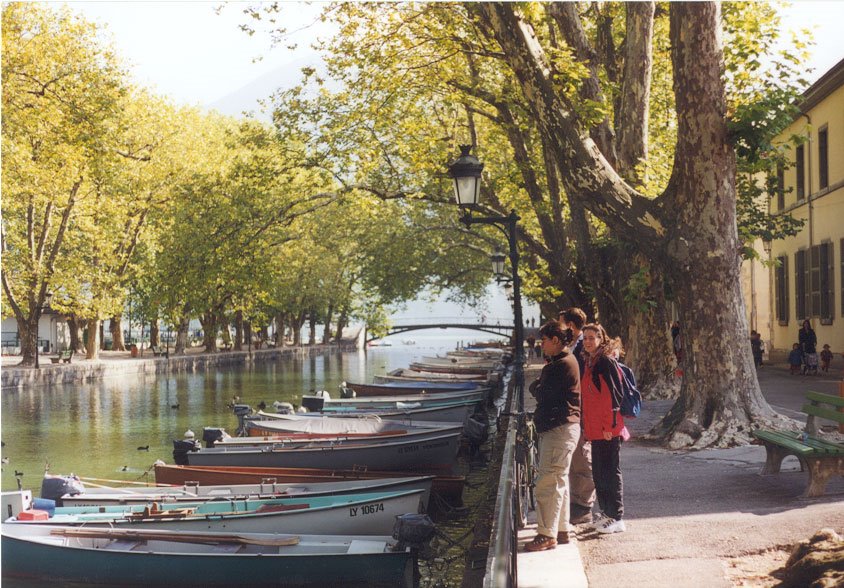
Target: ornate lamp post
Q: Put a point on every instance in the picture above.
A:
(466, 172)
(47, 298)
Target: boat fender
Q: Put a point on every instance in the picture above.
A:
(49, 506)
(414, 530)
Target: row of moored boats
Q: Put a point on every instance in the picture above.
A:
(335, 495)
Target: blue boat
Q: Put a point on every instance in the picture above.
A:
(114, 557)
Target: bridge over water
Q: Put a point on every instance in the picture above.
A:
(499, 326)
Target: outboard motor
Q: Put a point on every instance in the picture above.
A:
(241, 411)
(346, 392)
(415, 531)
(313, 403)
(212, 435)
(54, 487)
(283, 407)
(476, 430)
(181, 448)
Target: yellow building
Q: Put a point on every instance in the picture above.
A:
(807, 281)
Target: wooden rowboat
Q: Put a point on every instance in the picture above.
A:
(354, 514)
(411, 388)
(449, 488)
(116, 557)
(105, 496)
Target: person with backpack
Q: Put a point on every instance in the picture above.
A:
(603, 425)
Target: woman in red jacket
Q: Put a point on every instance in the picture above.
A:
(603, 425)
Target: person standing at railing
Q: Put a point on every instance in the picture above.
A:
(557, 420)
(603, 425)
(582, 486)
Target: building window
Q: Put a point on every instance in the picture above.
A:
(781, 288)
(823, 158)
(826, 309)
(780, 186)
(800, 279)
(801, 174)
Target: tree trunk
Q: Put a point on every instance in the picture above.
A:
(279, 329)
(689, 232)
(74, 327)
(326, 331)
(238, 331)
(28, 334)
(154, 333)
(247, 333)
(296, 325)
(182, 336)
(312, 328)
(93, 343)
(208, 321)
(117, 343)
(341, 324)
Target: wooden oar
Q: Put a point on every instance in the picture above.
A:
(176, 536)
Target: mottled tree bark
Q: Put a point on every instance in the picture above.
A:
(208, 321)
(238, 331)
(117, 342)
(182, 335)
(74, 327)
(154, 333)
(93, 343)
(326, 331)
(312, 328)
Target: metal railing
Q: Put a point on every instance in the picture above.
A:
(502, 569)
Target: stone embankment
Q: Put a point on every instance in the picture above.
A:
(111, 364)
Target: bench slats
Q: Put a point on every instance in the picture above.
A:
(824, 413)
(794, 442)
(825, 398)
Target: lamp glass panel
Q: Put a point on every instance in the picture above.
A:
(466, 190)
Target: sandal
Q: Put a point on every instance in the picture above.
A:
(541, 543)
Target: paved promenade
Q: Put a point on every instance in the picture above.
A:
(702, 518)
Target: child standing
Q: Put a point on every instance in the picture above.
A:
(795, 359)
(826, 357)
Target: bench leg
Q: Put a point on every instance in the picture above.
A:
(774, 456)
(820, 470)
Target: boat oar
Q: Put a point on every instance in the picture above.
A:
(176, 536)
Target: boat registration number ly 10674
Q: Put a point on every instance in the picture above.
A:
(366, 509)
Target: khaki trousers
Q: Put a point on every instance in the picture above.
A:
(552, 485)
(582, 484)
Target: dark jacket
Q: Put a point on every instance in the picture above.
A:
(557, 393)
(808, 340)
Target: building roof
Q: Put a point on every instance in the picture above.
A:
(826, 85)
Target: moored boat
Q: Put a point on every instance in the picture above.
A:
(195, 492)
(355, 514)
(447, 487)
(410, 388)
(405, 375)
(112, 557)
(436, 453)
(320, 424)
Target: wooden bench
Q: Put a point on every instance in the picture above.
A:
(822, 459)
(156, 350)
(64, 356)
(226, 346)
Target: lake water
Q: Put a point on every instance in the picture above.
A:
(95, 430)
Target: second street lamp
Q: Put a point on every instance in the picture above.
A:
(466, 172)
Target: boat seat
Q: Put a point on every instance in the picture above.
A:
(227, 548)
(123, 544)
(364, 546)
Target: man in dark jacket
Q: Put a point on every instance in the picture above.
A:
(557, 420)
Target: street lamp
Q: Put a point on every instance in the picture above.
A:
(466, 172)
(47, 298)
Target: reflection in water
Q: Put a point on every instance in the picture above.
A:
(96, 430)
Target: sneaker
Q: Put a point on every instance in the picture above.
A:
(597, 521)
(541, 543)
(612, 526)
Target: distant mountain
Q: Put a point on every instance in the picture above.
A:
(246, 99)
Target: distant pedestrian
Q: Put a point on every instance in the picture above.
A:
(795, 359)
(537, 350)
(826, 357)
(603, 426)
(531, 341)
(808, 345)
(756, 348)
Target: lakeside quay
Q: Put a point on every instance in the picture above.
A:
(121, 363)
